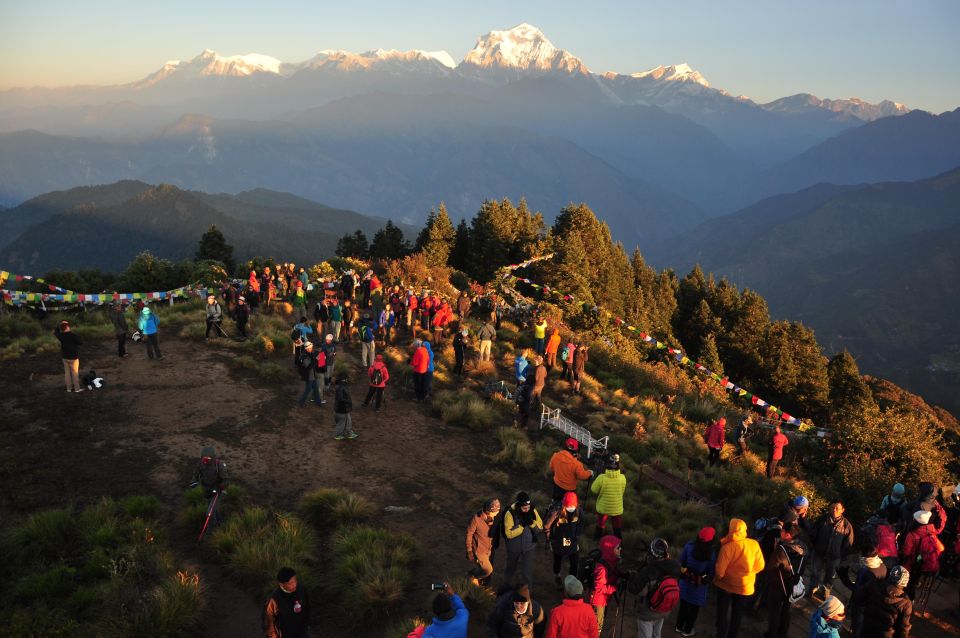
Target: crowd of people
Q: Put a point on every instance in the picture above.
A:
(775, 563)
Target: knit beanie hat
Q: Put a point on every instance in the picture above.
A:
(523, 498)
(832, 607)
(899, 489)
(800, 501)
(285, 574)
(572, 587)
(898, 576)
(707, 534)
(922, 517)
(570, 499)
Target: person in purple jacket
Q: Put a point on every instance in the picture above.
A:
(697, 561)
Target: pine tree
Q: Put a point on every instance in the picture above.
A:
(849, 394)
(742, 342)
(214, 247)
(388, 243)
(462, 249)
(795, 369)
(709, 355)
(436, 240)
(353, 245)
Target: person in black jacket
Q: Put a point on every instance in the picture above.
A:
(287, 614)
(70, 354)
(516, 615)
(120, 329)
(887, 609)
(342, 407)
(562, 528)
(460, 343)
(309, 373)
(832, 537)
(785, 565)
(241, 315)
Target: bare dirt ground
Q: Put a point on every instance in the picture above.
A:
(143, 432)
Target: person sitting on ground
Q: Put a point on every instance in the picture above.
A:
(887, 608)
(738, 563)
(483, 538)
(572, 618)
(563, 527)
(379, 375)
(287, 614)
(657, 589)
(827, 619)
(567, 469)
(450, 616)
(609, 488)
(516, 615)
(697, 561)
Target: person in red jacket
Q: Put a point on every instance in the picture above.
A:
(716, 436)
(572, 618)
(606, 576)
(419, 362)
(378, 381)
(777, 443)
(920, 553)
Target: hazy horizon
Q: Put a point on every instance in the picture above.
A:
(873, 51)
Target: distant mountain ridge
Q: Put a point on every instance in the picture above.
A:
(874, 268)
(69, 229)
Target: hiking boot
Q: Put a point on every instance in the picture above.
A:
(339, 437)
(692, 632)
(79, 390)
(352, 435)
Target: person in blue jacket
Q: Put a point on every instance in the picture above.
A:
(428, 377)
(697, 561)
(520, 365)
(148, 324)
(450, 617)
(828, 619)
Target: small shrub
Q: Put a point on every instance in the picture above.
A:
(253, 543)
(464, 408)
(330, 507)
(264, 344)
(171, 607)
(497, 478)
(371, 568)
(516, 450)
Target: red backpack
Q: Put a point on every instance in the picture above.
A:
(928, 554)
(322, 360)
(665, 597)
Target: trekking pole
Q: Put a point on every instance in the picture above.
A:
(213, 504)
(221, 330)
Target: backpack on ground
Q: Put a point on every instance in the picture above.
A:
(377, 377)
(564, 353)
(665, 596)
(796, 590)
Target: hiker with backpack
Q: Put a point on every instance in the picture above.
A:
(335, 321)
(321, 314)
(562, 528)
(605, 576)
(483, 538)
(521, 527)
(783, 575)
(211, 475)
(609, 488)
(872, 570)
(300, 336)
(149, 324)
(697, 562)
(832, 536)
(738, 563)
(329, 350)
(309, 367)
(516, 614)
(573, 617)
(777, 442)
(342, 409)
(567, 469)
(920, 554)
(657, 589)
(827, 620)
(887, 608)
(419, 361)
(379, 375)
(368, 341)
(927, 502)
(716, 438)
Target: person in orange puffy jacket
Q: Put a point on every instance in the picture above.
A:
(738, 563)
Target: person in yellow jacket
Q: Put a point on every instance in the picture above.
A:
(609, 488)
(567, 469)
(521, 526)
(738, 563)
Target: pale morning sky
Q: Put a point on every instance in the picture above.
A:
(873, 49)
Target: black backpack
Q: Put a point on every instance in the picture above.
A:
(585, 569)
(377, 377)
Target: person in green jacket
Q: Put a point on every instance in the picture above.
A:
(609, 488)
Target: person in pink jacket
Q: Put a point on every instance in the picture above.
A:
(605, 576)
(716, 436)
(379, 375)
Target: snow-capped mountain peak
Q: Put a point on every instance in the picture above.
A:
(209, 63)
(673, 73)
(524, 47)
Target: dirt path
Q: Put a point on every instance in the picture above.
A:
(142, 434)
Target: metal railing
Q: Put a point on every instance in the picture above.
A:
(552, 418)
